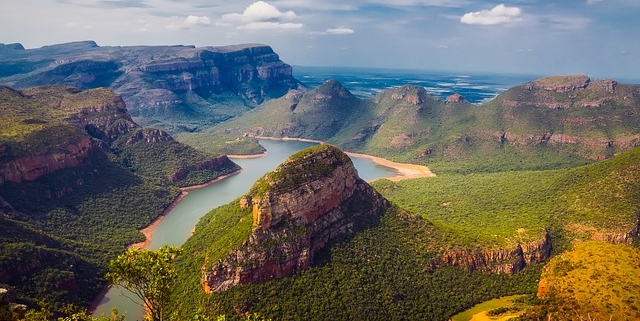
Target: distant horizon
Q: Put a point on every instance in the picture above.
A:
(627, 80)
(541, 37)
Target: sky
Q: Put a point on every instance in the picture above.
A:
(600, 38)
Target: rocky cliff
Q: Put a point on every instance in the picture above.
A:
(500, 260)
(177, 86)
(51, 128)
(311, 200)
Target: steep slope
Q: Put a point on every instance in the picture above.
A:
(175, 88)
(267, 252)
(503, 221)
(436, 251)
(552, 122)
(594, 280)
(312, 199)
(77, 179)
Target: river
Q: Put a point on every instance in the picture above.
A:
(176, 227)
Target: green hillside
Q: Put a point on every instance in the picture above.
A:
(391, 271)
(78, 179)
(538, 125)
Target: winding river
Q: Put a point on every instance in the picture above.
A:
(176, 227)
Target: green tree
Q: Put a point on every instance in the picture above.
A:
(150, 275)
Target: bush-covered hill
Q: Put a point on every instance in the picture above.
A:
(402, 267)
(552, 122)
(78, 178)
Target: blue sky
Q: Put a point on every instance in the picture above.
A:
(600, 38)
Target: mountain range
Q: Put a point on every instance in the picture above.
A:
(174, 88)
(547, 123)
(521, 179)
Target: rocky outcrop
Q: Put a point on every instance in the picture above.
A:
(612, 237)
(32, 167)
(500, 260)
(153, 80)
(212, 164)
(312, 199)
(408, 94)
(560, 83)
(455, 98)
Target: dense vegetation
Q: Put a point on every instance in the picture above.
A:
(89, 225)
(383, 273)
(389, 271)
(501, 209)
(142, 158)
(525, 128)
(63, 226)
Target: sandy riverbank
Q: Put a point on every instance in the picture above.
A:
(405, 171)
(247, 156)
(148, 230)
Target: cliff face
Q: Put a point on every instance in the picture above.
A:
(312, 199)
(172, 84)
(52, 128)
(502, 260)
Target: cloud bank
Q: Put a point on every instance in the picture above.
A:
(500, 14)
(261, 15)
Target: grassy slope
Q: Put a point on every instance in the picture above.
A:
(454, 137)
(100, 204)
(385, 272)
(501, 209)
(597, 279)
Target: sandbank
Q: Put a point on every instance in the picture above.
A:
(405, 171)
(247, 156)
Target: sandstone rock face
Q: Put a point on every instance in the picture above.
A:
(503, 260)
(624, 238)
(30, 168)
(307, 202)
(455, 98)
(153, 80)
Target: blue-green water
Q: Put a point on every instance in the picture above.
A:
(176, 227)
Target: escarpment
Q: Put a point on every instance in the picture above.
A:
(311, 200)
(500, 260)
(52, 128)
(161, 85)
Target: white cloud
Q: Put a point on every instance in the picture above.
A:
(190, 22)
(590, 2)
(500, 14)
(259, 12)
(261, 15)
(425, 3)
(339, 31)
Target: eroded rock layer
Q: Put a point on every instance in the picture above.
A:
(312, 199)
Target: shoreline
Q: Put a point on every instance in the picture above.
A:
(404, 170)
(247, 156)
(148, 230)
(184, 191)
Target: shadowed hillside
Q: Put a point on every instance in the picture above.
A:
(174, 88)
(78, 178)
